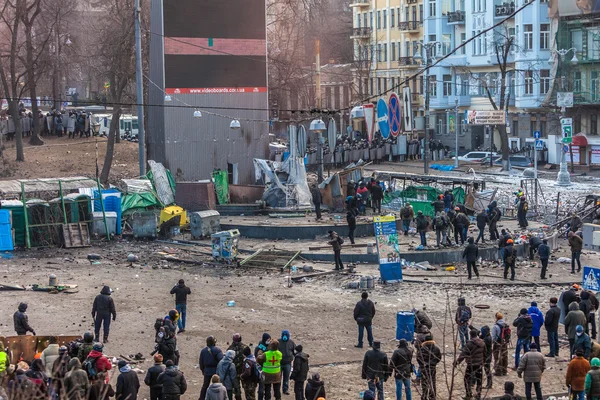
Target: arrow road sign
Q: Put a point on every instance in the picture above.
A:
(537, 134)
(408, 116)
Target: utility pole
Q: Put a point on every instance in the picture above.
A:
(318, 102)
(427, 89)
(140, 90)
(456, 131)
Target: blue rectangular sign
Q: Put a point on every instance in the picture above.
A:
(591, 279)
(388, 249)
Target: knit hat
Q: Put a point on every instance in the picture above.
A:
(121, 363)
(533, 346)
(158, 358)
(523, 311)
(169, 364)
(246, 352)
(533, 304)
(298, 348)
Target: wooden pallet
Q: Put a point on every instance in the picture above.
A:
(270, 259)
(76, 235)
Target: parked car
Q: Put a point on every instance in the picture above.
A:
(517, 161)
(475, 156)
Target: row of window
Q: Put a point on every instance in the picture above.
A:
(393, 18)
(381, 85)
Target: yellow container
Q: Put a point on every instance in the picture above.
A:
(170, 212)
(450, 269)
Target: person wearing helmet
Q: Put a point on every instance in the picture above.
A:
(86, 346)
(510, 257)
(209, 359)
(237, 346)
(522, 209)
(103, 308)
(592, 381)
(170, 321)
(21, 321)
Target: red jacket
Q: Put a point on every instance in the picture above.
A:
(102, 363)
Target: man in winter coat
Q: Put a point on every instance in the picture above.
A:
(500, 345)
(103, 308)
(271, 368)
(462, 224)
(462, 317)
(592, 381)
(582, 342)
(576, 373)
(471, 253)
(317, 199)
(422, 225)
(364, 312)
(99, 360)
(407, 214)
(216, 390)
(595, 306)
(167, 345)
(376, 196)
(586, 306)
(438, 205)
(262, 348)
(421, 319)
(227, 373)
(336, 244)
(510, 258)
(531, 368)
(238, 361)
(503, 238)
(86, 347)
(21, 321)
(286, 347)
(522, 209)
(209, 359)
(351, 219)
(574, 318)
(128, 383)
(100, 390)
(485, 335)
(299, 372)
(315, 387)
(173, 382)
(448, 200)
(544, 253)
(77, 383)
(440, 224)
(375, 369)
(534, 245)
(551, 325)
(249, 376)
(428, 357)
(181, 293)
(152, 375)
(494, 215)
(538, 321)
(59, 368)
(524, 325)
(482, 221)
(474, 354)
(575, 223)
(49, 355)
(576, 244)
(566, 298)
(401, 366)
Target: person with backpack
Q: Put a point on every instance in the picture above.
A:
(286, 347)
(440, 224)
(482, 220)
(181, 292)
(227, 373)
(522, 209)
(364, 312)
(401, 365)
(209, 359)
(103, 308)
(462, 317)
(471, 253)
(173, 382)
(544, 252)
(407, 214)
(592, 381)
(238, 361)
(474, 355)
(510, 258)
(422, 225)
(351, 219)
(76, 382)
(315, 387)
(501, 335)
(375, 369)
(96, 362)
(250, 376)
(524, 325)
(551, 325)
(538, 321)
(128, 383)
(576, 244)
(462, 224)
(152, 375)
(299, 372)
(336, 244)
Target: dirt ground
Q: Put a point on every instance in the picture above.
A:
(318, 312)
(62, 157)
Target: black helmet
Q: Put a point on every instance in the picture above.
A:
(23, 307)
(88, 337)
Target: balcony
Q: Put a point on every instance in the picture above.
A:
(456, 17)
(361, 33)
(586, 97)
(360, 3)
(410, 26)
(505, 9)
(412, 1)
(407, 62)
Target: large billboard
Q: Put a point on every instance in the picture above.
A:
(477, 117)
(565, 8)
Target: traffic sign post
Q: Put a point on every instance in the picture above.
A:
(537, 134)
(567, 130)
(539, 145)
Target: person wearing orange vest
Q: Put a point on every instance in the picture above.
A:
(271, 368)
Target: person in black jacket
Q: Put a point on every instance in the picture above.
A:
(471, 253)
(128, 383)
(364, 312)
(375, 369)
(510, 258)
(438, 205)
(167, 346)
(485, 335)
(299, 372)
(173, 382)
(462, 223)
(428, 357)
(534, 244)
(422, 225)
(209, 359)
(494, 215)
(351, 218)
(181, 293)
(103, 308)
(151, 378)
(21, 321)
(317, 198)
(551, 324)
(401, 365)
(524, 325)
(315, 387)
(544, 253)
(376, 196)
(482, 221)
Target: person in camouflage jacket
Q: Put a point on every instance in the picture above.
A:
(238, 361)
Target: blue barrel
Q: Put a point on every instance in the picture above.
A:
(405, 325)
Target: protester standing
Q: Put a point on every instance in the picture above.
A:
(510, 258)
(103, 308)
(544, 254)
(486, 336)
(271, 367)
(501, 338)
(524, 325)
(592, 381)
(422, 225)
(173, 382)
(576, 372)
(181, 292)
(576, 244)
(238, 361)
(317, 198)
(21, 321)
(471, 253)
(551, 325)
(152, 375)
(428, 357)
(250, 375)
(227, 373)
(286, 347)
(574, 318)
(299, 372)
(474, 354)
(401, 365)
(482, 221)
(364, 312)
(462, 317)
(336, 244)
(538, 321)
(128, 383)
(351, 219)
(531, 368)
(407, 214)
(522, 209)
(209, 359)
(375, 369)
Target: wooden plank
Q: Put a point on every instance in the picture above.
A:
(245, 260)
(291, 259)
(294, 278)
(358, 245)
(75, 235)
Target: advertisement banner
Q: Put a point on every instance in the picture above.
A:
(476, 117)
(388, 249)
(595, 155)
(451, 123)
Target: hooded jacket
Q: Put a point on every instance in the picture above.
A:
(544, 251)
(461, 312)
(401, 362)
(487, 340)
(471, 252)
(428, 354)
(286, 347)
(407, 213)
(576, 243)
(552, 319)
(334, 242)
(300, 367)
(574, 317)
(576, 372)
(167, 347)
(262, 345)
(104, 304)
(172, 381)
(49, 355)
(538, 320)
(100, 390)
(102, 363)
(248, 370)
(216, 391)
(482, 220)
(21, 321)
(421, 318)
(209, 359)
(473, 352)
(227, 372)
(128, 384)
(422, 223)
(568, 297)
(152, 375)
(497, 330)
(181, 293)
(584, 343)
(585, 304)
(314, 389)
(76, 380)
(524, 325)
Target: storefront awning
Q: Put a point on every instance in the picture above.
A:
(580, 140)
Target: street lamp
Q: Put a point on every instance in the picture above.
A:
(426, 58)
(317, 125)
